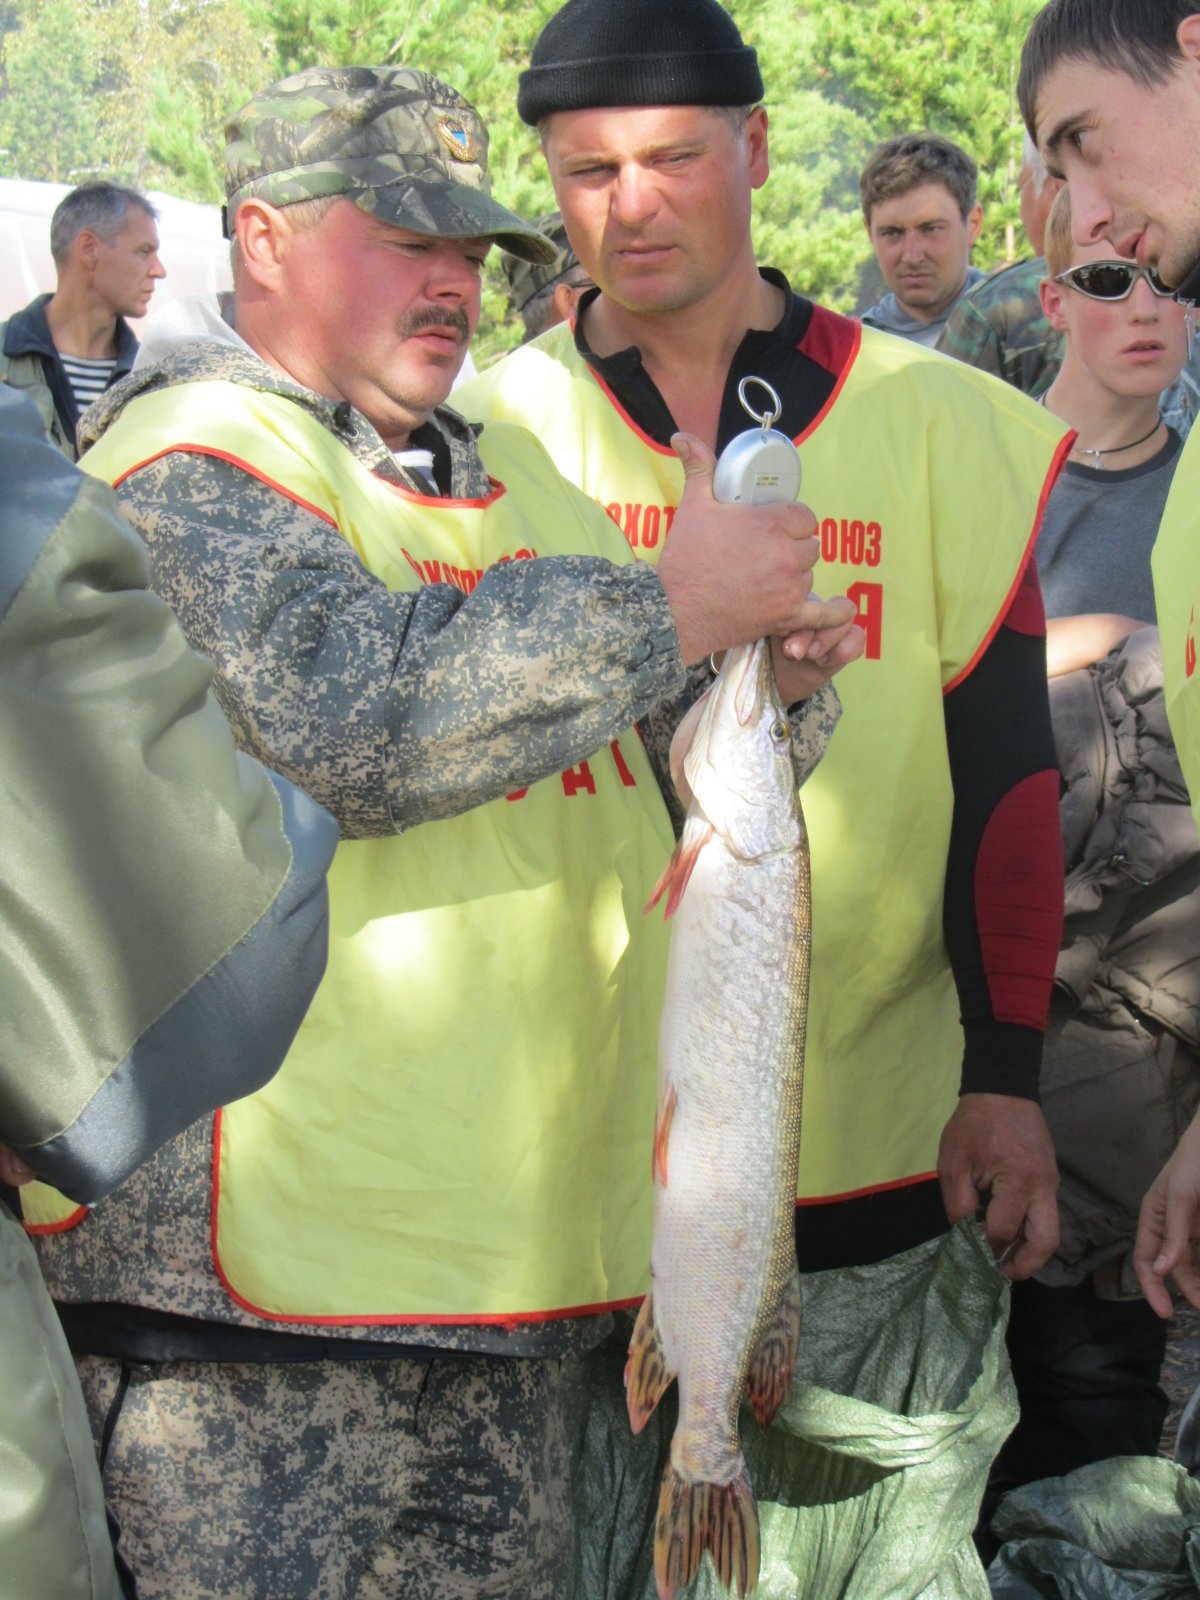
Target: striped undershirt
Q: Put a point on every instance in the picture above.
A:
(88, 376)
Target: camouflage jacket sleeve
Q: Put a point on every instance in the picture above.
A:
(393, 709)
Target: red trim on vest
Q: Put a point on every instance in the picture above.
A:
(872, 1188)
(1056, 465)
(653, 444)
(833, 342)
(444, 502)
(1018, 900)
(236, 461)
(503, 1319)
(39, 1229)
(1027, 614)
(187, 448)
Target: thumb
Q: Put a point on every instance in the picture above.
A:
(699, 463)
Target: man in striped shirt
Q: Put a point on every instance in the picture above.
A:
(66, 348)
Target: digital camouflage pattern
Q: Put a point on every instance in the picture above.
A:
(403, 145)
(381, 1479)
(528, 278)
(368, 698)
(1000, 328)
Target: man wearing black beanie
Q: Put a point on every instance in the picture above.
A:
(937, 878)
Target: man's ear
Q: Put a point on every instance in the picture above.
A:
(85, 247)
(974, 222)
(1052, 295)
(757, 148)
(1188, 37)
(262, 233)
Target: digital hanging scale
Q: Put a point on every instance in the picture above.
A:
(761, 465)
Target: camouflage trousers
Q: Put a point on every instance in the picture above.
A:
(362, 1480)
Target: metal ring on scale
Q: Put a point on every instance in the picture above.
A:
(768, 418)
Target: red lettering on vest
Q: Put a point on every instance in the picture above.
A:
(643, 526)
(517, 794)
(627, 777)
(868, 597)
(576, 778)
(464, 578)
(1189, 649)
(852, 542)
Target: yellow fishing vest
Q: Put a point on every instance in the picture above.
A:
(462, 1130)
(927, 480)
(1175, 563)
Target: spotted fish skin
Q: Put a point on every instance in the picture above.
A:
(723, 1314)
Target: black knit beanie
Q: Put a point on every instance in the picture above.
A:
(638, 53)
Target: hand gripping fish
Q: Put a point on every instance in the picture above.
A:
(723, 1312)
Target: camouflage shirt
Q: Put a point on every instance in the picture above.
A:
(1000, 328)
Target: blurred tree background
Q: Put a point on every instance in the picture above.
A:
(139, 90)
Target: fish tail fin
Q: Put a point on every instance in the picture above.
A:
(679, 869)
(648, 1373)
(694, 1516)
(774, 1364)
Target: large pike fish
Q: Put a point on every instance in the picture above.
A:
(723, 1313)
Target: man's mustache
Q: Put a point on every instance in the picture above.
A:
(431, 317)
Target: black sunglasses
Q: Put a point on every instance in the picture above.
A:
(1112, 280)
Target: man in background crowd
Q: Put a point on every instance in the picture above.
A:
(64, 349)
(1121, 1070)
(545, 294)
(922, 217)
(1111, 94)
(1000, 326)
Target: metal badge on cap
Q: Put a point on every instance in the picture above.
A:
(457, 138)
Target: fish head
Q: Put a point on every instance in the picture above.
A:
(736, 761)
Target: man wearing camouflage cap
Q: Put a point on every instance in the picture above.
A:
(936, 864)
(297, 1328)
(543, 295)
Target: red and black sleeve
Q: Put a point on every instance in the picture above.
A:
(1003, 904)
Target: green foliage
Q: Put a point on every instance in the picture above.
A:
(141, 89)
(46, 127)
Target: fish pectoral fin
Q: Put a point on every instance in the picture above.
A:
(648, 1373)
(695, 1515)
(678, 871)
(774, 1364)
(664, 1117)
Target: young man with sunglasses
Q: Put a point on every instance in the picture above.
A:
(1124, 343)
(1111, 94)
(1119, 1078)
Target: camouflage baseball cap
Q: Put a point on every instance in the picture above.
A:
(401, 144)
(527, 278)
